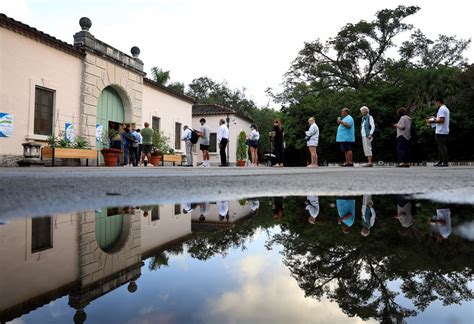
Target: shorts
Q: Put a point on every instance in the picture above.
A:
(146, 148)
(346, 146)
(203, 147)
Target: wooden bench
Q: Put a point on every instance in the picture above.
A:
(69, 153)
(175, 158)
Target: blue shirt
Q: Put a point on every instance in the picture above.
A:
(345, 134)
(345, 206)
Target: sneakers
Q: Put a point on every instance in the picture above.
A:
(441, 165)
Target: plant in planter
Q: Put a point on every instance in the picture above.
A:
(61, 147)
(241, 153)
(110, 154)
(160, 147)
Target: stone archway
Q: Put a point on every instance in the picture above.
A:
(98, 75)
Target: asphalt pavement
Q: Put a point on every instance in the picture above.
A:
(45, 191)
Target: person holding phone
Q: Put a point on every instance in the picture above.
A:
(441, 125)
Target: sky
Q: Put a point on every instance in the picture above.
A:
(248, 43)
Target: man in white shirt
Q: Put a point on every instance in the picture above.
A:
(223, 139)
(441, 123)
(186, 137)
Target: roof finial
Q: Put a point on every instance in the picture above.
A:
(85, 23)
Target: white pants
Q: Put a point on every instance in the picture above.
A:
(189, 153)
(367, 145)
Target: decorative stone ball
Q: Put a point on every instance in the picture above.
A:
(80, 316)
(135, 51)
(132, 287)
(85, 23)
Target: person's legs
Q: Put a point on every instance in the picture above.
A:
(148, 155)
(189, 153)
(367, 145)
(349, 157)
(442, 148)
(222, 151)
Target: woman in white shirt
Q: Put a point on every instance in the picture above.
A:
(253, 144)
(312, 139)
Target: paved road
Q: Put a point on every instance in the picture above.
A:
(40, 191)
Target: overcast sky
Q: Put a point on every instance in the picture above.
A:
(249, 43)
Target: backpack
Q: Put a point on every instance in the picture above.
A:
(194, 136)
(413, 133)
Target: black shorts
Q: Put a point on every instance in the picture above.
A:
(146, 148)
(203, 147)
(346, 146)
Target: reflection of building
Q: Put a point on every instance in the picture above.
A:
(48, 84)
(85, 255)
(211, 216)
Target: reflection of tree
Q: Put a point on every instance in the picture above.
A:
(160, 259)
(356, 272)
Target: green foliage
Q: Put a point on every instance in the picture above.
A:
(81, 143)
(160, 76)
(241, 146)
(60, 141)
(161, 143)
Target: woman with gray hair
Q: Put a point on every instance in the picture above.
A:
(367, 131)
(312, 139)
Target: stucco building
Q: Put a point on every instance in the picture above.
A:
(47, 85)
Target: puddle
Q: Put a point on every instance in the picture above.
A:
(276, 259)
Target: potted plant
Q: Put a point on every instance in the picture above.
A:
(110, 154)
(62, 147)
(241, 153)
(160, 147)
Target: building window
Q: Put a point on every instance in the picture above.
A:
(41, 233)
(155, 213)
(177, 136)
(44, 101)
(177, 209)
(213, 143)
(155, 123)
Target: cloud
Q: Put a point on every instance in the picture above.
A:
(267, 293)
(17, 9)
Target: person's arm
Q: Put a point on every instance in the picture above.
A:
(372, 126)
(219, 134)
(346, 216)
(345, 124)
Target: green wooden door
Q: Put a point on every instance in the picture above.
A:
(108, 228)
(109, 108)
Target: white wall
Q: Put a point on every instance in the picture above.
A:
(169, 109)
(236, 212)
(235, 126)
(24, 64)
(25, 275)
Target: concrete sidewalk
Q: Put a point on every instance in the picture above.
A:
(42, 191)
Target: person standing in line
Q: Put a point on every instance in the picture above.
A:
(127, 140)
(188, 144)
(403, 137)
(253, 144)
(147, 139)
(133, 147)
(367, 130)
(312, 139)
(346, 135)
(346, 213)
(277, 132)
(441, 124)
(312, 206)
(222, 140)
(441, 223)
(140, 143)
(223, 209)
(205, 134)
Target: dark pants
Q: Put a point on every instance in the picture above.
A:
(402, 149)
(133, 155)
(441, 139)
(223, 145)
(279, 151)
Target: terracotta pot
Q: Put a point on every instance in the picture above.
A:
(241, 163)
(110, 156)
(155, 160)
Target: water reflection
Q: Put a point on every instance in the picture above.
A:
(395, 259)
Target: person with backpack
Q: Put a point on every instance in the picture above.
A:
(187, 138)
(367, 130)
(404, 134)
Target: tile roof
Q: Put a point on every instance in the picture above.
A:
(35, 34)
(212, 109)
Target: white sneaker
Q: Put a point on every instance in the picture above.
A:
(203, 165)
(150, 165)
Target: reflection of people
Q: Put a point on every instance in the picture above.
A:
(254, 205)
(346, 211)
(368, 215)
(404, 213)
(441, 222)
(187, 208)
(204, 209)
(277, 208)
(346, 136)
(223, 208)
(312, 139)
(312, 206)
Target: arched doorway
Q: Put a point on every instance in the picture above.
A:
(108, 228)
